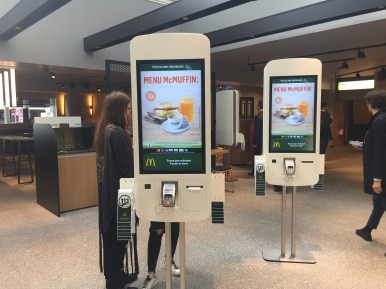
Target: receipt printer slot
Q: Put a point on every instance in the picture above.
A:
(169, 192)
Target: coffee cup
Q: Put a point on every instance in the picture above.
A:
(176, 119)
(296, 116)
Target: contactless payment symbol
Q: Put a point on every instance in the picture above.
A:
(260, 168)
(124, 201)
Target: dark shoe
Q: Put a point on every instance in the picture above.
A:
(128, 278)
(365, 235)
(277, 189)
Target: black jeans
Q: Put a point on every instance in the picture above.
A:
(113, 254)
(379, 207)
(154, 243)
(323, 145)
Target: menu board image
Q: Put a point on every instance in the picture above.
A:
(292, 114)
(171, 116)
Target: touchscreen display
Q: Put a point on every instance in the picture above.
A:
(292, 113)
(171, 116)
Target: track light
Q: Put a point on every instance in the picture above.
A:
(344, 65)
(252, 68)
(361, 54)
(53, 76)
(358, 75)
(382, 73)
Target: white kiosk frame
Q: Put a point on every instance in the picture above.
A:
(191, 193)
(292, 93)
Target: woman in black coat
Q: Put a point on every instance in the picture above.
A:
(374, 160)
(114, 161)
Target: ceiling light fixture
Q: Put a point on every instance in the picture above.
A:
(344, 65)
(383, 70)
(358, 75)
(382, 73)
(329, 52)
(162, 2)
(361, 54)
(1, 92)
(356, 84)
(253, 68)
(53, 76)
(13, 87)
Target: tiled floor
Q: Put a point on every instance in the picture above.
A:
(39, 250)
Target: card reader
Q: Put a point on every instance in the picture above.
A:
(289, 166)
(168, 194)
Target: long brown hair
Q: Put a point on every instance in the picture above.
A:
(114, 112)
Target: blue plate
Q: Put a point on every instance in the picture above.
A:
(294, 122)
(170, 128)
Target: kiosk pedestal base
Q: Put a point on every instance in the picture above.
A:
(301, 257)
(280, 255)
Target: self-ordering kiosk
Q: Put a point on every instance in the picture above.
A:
(170, 77)
(292, 89)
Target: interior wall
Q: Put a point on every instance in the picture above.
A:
(78, 104)
(58, 38)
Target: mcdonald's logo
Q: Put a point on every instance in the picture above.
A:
(150, 162)
(276, 144)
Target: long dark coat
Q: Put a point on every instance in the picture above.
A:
(258, 134)
(116, 163)
(325, 122)
(374, 152)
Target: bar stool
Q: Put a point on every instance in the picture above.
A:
(22, 142)
(5, 160)
(229, 179)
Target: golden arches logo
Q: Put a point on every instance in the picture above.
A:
(276, 144)
(150, 162)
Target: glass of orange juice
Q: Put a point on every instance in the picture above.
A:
(187, 108)
(303, 108)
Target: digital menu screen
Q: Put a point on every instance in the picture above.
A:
(171, 116)
(292, 113)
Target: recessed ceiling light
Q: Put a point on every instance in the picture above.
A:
(163, 2)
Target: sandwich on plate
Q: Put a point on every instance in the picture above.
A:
(285, 110)
(165, 108)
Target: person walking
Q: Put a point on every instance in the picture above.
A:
(257, 144)
(258, 139)
(374, 160)
(114, 161)
(325, 128)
